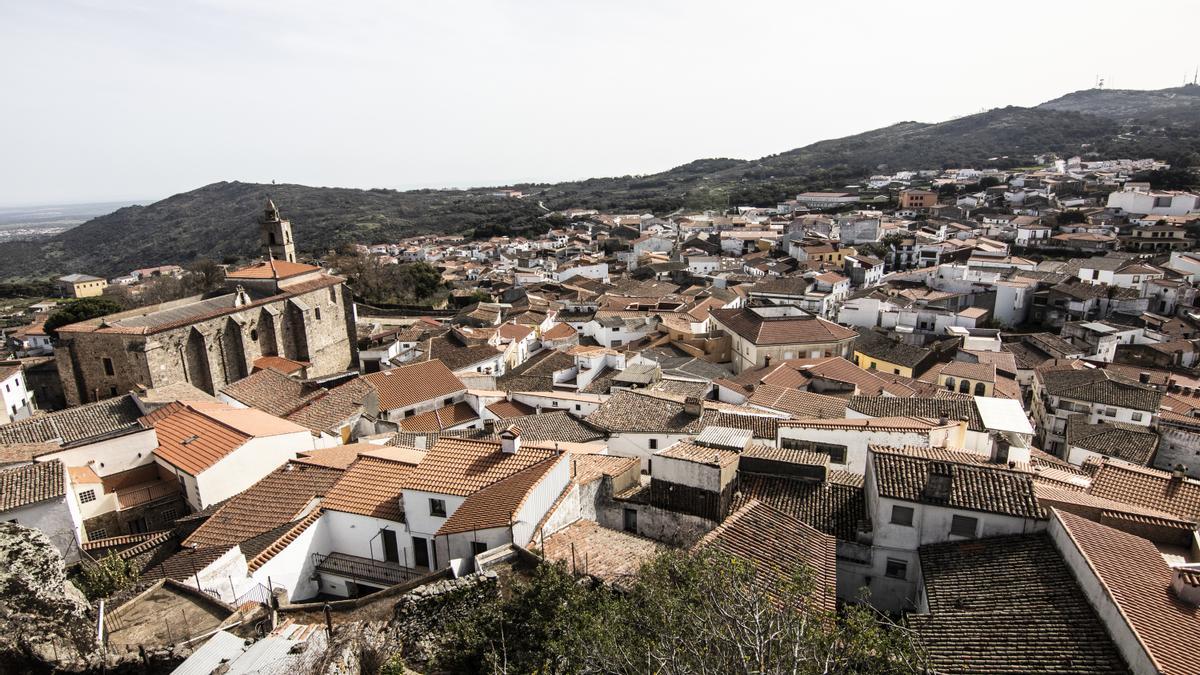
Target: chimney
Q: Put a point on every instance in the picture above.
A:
(1185, 582)
(938, 482)
(767, 361)
(510, 440)
(1144, 378)
(943, 418)
(691, 406)
(1179, 472)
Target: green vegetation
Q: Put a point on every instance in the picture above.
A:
(107, 576)
(682, 613)
(376, 282)
(80, 310)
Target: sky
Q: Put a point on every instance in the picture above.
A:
(140, 99)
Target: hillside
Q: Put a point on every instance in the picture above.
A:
(1178, 105)
(217, 221)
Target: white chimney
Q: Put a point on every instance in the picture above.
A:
(510, 440)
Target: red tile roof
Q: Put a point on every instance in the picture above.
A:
(781, 330)
(440, 419)
(497, 504)
(412, 384)
(460, 467)
(371, 487)
(271, 269)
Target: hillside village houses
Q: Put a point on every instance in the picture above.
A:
(869, 376)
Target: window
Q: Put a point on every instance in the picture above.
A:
(1110, 412)
(478, 547)
(448, 401)
(902, 515)
(112, 391)
(437, 507)
(980, 389)
(653, 443)
(254, 334)
(182, 484)
(317, 313)
(579, 407)
(896, 569)
(410, 412)
(333, 294)
(87, 496)
(93, 535)
(963, 526)
(167, 515)
(108, 366)
(1137, 417)
(895, 371)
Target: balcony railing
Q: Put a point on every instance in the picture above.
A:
(358, 568)
(146, 493)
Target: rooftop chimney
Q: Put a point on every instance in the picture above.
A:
(510, 440)
(1178, 472)
(938, 482)
(767, 361)
(1185, 582)
(692, 406)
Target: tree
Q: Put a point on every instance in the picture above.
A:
(80, 310)
(111, 574)
(702, 612)
(379, 282)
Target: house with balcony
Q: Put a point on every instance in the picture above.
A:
(1061, 391)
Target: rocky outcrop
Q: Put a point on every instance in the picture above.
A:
(45, 622)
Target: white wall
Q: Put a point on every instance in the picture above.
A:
(579, 406)
(112, 455)
(248, 464)
(56, 519)
(358, 535)
(638, 445)
(292, 568)
(540, 499)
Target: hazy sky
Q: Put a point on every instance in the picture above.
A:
(117, 99)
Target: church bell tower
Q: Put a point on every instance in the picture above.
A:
(276, 235)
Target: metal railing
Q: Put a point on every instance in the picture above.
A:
(364, 569)
(137, 496)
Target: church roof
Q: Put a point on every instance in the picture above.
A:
(271, 269)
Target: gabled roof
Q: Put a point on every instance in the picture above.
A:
(75, 425)
(781, 330)
(271, 391)
(497, 504)
(975, 487)
(460, 467)
(835, 507)
(1097, 385)
(1146, 487)
(194, 436)
(954, 408)
(801, 404)
(415, 383)
(779, 546)
(30, 484)
(271, 269)
(1130, 442)
(1132, 573)
(1009, 605)
(281, 497)
(441, 418)
(372, 486)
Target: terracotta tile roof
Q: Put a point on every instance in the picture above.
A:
(836, 508)
(879, 346)
(460, 467)
(1009, 605)
(972, 486)
(456, 355)
(788, 455)
(271, 391)
(781, 331)
(865, 423)
(779, 546)
(558, 425)
(74, 425)
(1130, 442)
(371, 487)
(271, 269)
(282, 496)
(1134, 575)
(559, 331)
(612, 556)
(334, 457)
(586, 468)
(440, 419)
(274, 548)
(83, 475)
(934, 408)
(1099, 386)
(513, 331)
(982, 372)
(412, 384)
(801, 404)
(334, 407)
(837, 368)
(32, 483)
(278, 364)
(497, 504)
(510, 409)
(1147, 487)
(699, 454)
(192, 441)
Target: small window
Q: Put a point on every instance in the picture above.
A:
(317, 313)
(896, 569)
(167, 515)
(87, 496)
(478, 547)
(93, 535)
(437, 507)
(333, 294)
(447, 401)
(902, 515)
(963, 526)
(410, 412)
(579, 407)
(630, 520)
(653, 443)
(108, 366)
(1137, 417)
(112, 391)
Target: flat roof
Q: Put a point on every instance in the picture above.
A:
(1003, 414)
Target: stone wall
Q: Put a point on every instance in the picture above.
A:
(213, 353)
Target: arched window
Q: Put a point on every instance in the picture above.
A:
(964, 387)
(950, 383)
(979, 389)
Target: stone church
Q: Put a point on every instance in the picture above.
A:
(276, 307)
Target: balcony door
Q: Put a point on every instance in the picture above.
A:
(420, 552)
(391, 552)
